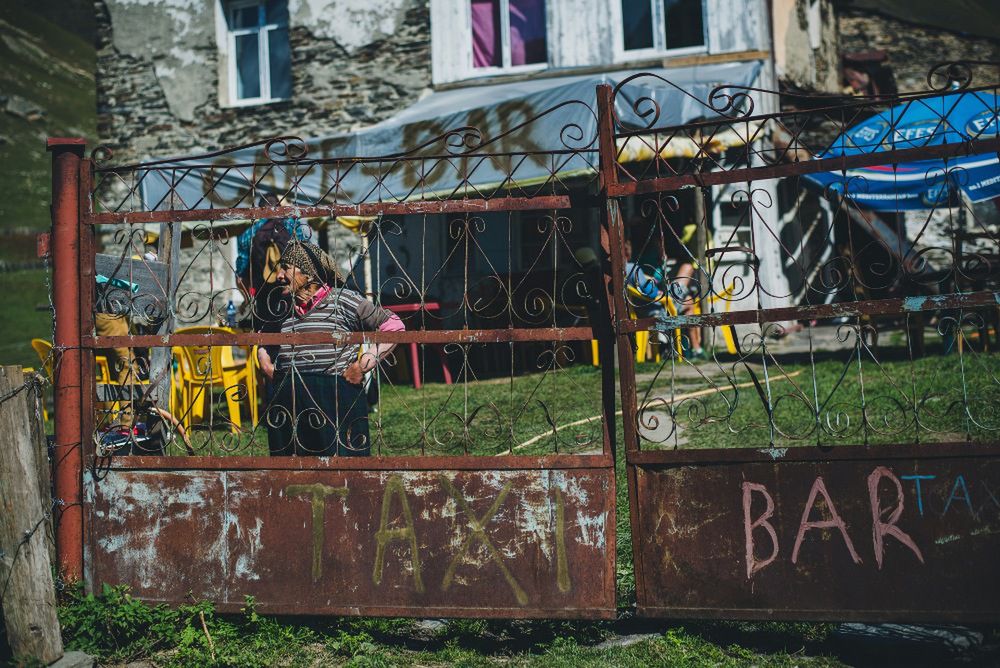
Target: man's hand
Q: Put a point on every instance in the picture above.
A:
(265, 363)
(353, 373)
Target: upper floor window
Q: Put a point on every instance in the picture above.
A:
(259, 56)
(663, 25)
(508, 33)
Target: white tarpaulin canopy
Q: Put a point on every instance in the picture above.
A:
(517, 123)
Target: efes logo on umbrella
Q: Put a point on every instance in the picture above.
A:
(983, 123)
(937, 195)
(916, 133)
(869, 135)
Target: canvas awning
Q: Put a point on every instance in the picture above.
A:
(528, 118)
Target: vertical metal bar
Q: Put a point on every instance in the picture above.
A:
(66, 157)
(604, 331)
(87, 275)
(612, 225)
(87, 384)
(613, 243)
(703, 279)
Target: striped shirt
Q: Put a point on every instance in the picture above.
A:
(341, 310)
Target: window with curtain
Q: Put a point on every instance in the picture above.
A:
(508, 33)
(663, 25)
(260, 64)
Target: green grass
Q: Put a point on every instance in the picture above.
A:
(935, 398)
(20, 321)
(484, 417)
(560, 410)
(118, 629)
(52, 69)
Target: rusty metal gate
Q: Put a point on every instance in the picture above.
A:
(490, 493)
(824, 461)
(835, 459)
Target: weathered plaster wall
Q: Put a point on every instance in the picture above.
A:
(805, 44)
(159, 71)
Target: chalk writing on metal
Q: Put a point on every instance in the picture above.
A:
(477, 531)
(562, 565)
(834, 521)
(318, 493)
(880, 529)
(386, 534)
(750, 526)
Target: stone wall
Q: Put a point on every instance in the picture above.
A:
(913, 49)
(159, 67)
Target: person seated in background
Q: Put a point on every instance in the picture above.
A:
(673, 246)
(684, 286)
(651, 303)
(319, 406)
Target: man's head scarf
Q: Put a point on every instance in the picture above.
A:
(312, 261)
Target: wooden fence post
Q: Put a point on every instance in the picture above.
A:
(27, 592)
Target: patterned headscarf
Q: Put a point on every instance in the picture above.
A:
(312, 261)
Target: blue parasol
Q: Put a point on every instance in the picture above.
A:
(922, 184)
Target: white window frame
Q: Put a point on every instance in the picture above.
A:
(505, 67)
(659, 36)
(263, 51)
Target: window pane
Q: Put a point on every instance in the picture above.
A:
(277, 12)
(637, 24)
(486, 33)
(527, 32)
(280, 62)
(247, 67)
(245, 17)
(684, 23)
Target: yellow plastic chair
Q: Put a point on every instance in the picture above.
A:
(580, 313)
(727, 330)
(200, 369)
(642, 336)
(246, 373)
(43, 348)
(102, 369)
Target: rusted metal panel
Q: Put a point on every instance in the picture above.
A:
(524, 543)
(864, 534)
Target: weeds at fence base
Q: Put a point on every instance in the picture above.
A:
(118, 628)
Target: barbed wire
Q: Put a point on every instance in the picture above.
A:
(36, 380)
(17, 551)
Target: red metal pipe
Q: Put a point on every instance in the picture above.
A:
(66, 157)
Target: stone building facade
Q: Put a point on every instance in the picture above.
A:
(161, 75)
(912, 49)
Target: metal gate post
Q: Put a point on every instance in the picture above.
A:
(613, 239)
(66, 157)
